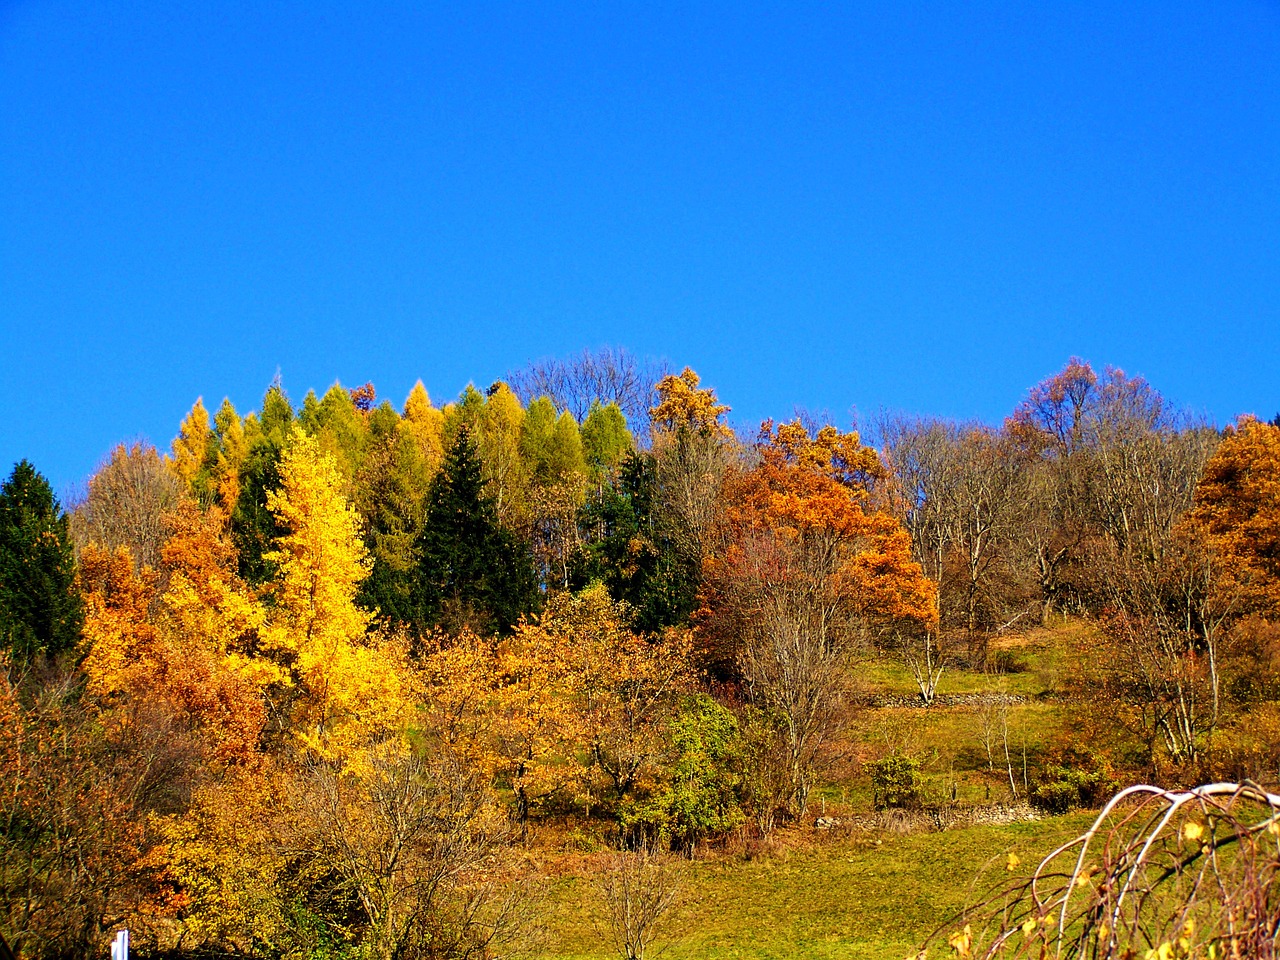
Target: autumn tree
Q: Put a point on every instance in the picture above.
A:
(411, 837)
(40, 608)
(1237, 507)
(343, 685)
(1179, 621)
(807, 565)
(425, 423)
(626, 686)
(194, 451)
(691, 448)
(230, 450)
(84, 789)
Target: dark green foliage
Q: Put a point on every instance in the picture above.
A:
(40, 609)
(896, 781)
(631, 552)
(471, 570)
(253, 526)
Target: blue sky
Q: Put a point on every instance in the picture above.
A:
(922, 206)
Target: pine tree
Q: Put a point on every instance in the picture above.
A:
(471, 570)
(631, 548)
(253, 527)
(40, 609)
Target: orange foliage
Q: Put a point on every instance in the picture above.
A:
(171, 661)
(1237, 510)
(682, 406)
(805, 513)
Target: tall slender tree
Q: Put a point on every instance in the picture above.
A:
(472, 571)
(40, 609)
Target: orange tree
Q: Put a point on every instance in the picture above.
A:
(806, 563)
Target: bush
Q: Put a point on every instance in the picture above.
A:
(896, 781)
(701, 796)
(1076, 778)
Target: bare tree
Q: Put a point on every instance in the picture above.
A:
(127, 503)
(638, 888)
(608, 375)
(1169, 631)
(926, 660)
(960, 495)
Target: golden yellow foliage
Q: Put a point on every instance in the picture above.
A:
(350, 685)
(425, 424)
(191, 444)
(682, 406)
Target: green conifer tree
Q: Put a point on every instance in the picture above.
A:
(471, 571)
(40, 608)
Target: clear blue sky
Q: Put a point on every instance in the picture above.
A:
(924, 206)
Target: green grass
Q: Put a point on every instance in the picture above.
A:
(846, 897)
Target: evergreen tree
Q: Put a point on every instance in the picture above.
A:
(631, 550)
(391, 499)
(40, 609)
(471, 571)
(253, 527)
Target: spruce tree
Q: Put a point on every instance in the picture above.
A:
(40, 609)
(631, 550)
(472, 572)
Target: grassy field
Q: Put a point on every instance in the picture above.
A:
(861, 896)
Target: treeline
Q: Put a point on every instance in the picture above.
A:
(299, 687)
(1095, 498)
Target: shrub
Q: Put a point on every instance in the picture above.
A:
(896, 781)
(1076, 778)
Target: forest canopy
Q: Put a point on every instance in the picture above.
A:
(304, 684)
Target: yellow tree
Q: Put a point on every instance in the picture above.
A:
(347, 685)
(425, 423)
(691, 451)
(191, 445)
